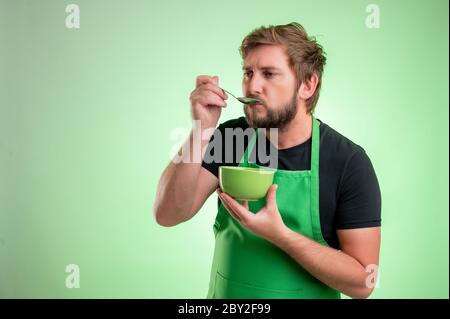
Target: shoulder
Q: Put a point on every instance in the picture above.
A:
(337, 144)
(338, 151)
(349, 160)
(342, 156)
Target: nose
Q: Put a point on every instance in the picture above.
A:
(253, 86)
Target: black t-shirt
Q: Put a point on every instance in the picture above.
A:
(349, 194)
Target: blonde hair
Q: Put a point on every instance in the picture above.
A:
(306, 56)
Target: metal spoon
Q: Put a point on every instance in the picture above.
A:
(244, 100)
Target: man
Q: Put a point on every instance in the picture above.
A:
(317, 232)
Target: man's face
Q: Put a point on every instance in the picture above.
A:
(268, 77)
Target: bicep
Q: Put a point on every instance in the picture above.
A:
(363, 244)
(207, 183)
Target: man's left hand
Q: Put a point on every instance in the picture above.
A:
(266, 223)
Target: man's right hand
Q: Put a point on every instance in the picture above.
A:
(207, 101)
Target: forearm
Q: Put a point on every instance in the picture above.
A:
(177, 186)
(333, 267)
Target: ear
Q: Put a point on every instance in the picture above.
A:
(308, 87)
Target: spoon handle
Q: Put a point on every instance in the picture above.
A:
(230, 94)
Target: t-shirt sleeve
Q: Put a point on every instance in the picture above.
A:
(359, 197)
(208, 161)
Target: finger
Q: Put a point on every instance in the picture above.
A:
(271, 196)
(216, 82)
(240, 210)
(213, 88)
(245, 204)
(200, 93)
(226, 204)
(229, 209)
(208, 98)
(204, 79)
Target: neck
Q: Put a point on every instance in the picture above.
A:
(298, 131)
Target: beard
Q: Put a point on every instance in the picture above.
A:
(274, 118)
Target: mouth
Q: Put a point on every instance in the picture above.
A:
(256, 105)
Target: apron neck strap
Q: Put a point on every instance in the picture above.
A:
(315, 146)
(251, 145)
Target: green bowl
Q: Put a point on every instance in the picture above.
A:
(245, 183)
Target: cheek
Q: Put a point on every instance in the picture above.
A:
(278, 96)
(285, 93)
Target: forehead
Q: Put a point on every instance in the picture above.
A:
(266, 56)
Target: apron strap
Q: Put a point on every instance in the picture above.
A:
(315, 146)
(315, 204)
(250, 146)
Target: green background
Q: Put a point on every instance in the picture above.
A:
(87, 115)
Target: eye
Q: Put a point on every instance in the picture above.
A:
(268, 74)
(248, 74)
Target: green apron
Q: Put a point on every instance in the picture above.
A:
(248, 266)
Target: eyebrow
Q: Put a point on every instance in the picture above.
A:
(264, 68)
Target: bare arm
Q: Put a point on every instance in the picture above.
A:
(184, 185)
(345, 270)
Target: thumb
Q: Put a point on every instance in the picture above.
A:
(271, 197)
(215, 79)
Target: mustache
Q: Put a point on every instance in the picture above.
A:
(258, 98)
